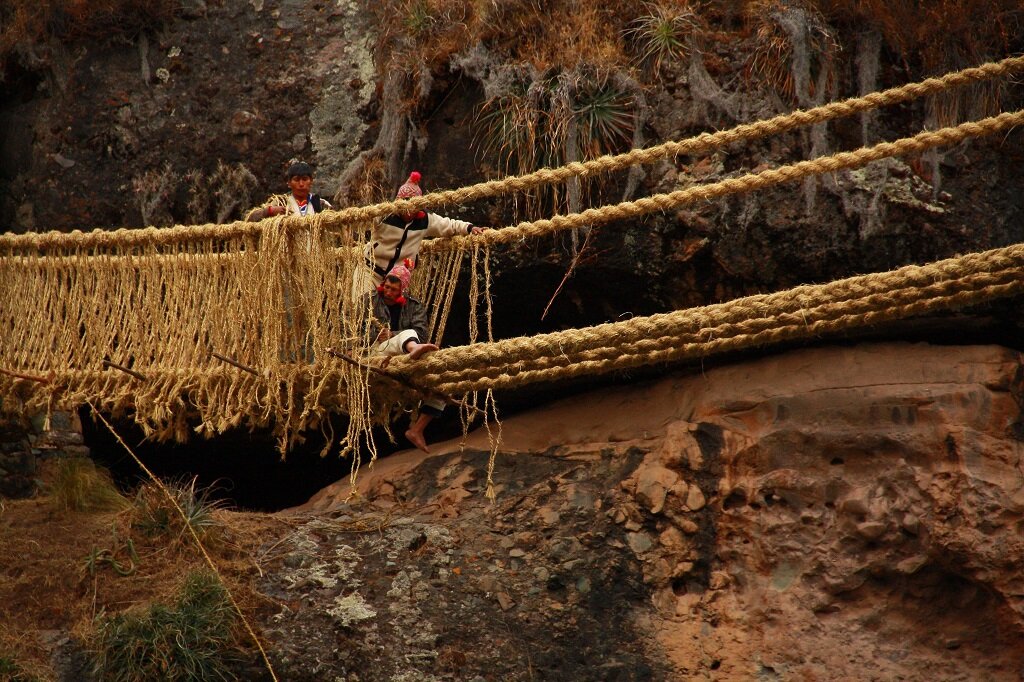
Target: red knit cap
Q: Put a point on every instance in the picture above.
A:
(411, 188)
(403, 271)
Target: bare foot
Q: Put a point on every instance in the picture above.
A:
(419, 349)
(416, 438)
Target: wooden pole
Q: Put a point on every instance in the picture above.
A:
(235, 363)
(29, 377)
(397, 378)
(132, 372)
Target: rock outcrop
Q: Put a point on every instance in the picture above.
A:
(834, 513)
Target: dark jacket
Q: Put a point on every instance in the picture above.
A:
(413, 316)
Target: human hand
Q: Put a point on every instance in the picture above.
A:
(478, 230)
(274, 210)
(384, 335)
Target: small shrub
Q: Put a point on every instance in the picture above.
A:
(193, 639)
(154, 193)
(420, 34)
(80, 485)
(155, 515)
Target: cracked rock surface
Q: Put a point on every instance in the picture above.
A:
(835, 513)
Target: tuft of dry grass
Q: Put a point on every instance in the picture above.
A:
(421, 35)
(81, 486)
(369, 186)
(794, 50)
(932, 38)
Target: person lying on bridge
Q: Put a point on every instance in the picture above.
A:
(402, 324)
(399, 237)
(298, 202)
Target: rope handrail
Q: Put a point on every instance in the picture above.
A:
(745, 183)
(694, 145)
(704, 142)
(742, 184)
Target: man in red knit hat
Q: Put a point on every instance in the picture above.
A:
(401, 322)
(399, 237)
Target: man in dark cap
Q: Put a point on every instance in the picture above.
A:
(299, 202)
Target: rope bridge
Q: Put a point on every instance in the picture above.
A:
(204, 328)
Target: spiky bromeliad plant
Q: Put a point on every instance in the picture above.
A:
(661, 35)
(155, 515)
(554, 117)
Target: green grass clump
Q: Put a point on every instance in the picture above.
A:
(156, 516)
(193, 639)
(11, 671)
(80, 485)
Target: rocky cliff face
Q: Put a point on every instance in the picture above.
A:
(838, 513)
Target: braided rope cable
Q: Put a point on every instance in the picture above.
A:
(739, 185)
(837, 305)
(750, 327)
(1005, 262)
(520, 375)
(152, 236)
